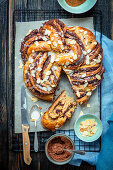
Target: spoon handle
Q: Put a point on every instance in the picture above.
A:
(35, 143)
(80, 152)
(76, 151)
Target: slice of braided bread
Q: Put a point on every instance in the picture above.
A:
(61, 110)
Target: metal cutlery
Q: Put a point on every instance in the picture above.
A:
(25, 127)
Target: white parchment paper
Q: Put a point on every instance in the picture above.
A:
(22, 28)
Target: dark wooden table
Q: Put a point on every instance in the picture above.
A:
(10, 160)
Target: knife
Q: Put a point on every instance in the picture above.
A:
(25, 127)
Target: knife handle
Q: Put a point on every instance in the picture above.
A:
(26, 144)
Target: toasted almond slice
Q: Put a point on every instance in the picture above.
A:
(88, 105)
(34, 99)
(20, 66)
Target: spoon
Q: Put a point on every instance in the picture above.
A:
(76, 151)
(35, 115)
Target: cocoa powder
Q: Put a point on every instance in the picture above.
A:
(56, 146)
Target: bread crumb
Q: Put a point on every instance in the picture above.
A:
(98, 77)
(20, 66)
(29, 32)
(88, 105)
(89, 93)
(81, 113)
(34, 99)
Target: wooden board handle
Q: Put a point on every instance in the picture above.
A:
(26, 144)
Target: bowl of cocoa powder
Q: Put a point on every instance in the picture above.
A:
(77, 6)
(55, 146)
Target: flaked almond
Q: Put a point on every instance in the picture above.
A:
(83, 75)
(36, 43)
(44, 88)
(26, 71)
(53, 85)
(81, 113)
(94, 59)
(86, 42)
(52, 59)
(39, 69)
(88, 105)
(56, 35)
(72, 42)
(44, 38)
(85, 32)
(52, 38)
(33, 74)
(81, 30)
(99, 56)
(89, 50)
(34, 99)
(67, 63)
(87, 59)
(47, 32)
(45, 78)
(88, 93)
(20, 66)
(57, 59)
(81, 102)
(49, 42)
(98, 77)
(33, 71)
(33, 51)
(57, 126)
(48, 72)
(75, 56)
(95, 43)
(49, 88)
(84, 52)
(55, 44)
(31, 67)
(98, 60)
(85, 85)
(71, 60)
(30, 60)
(78, 93)
(29, 32)
(59, 42)
(93, 63)
(62, 47)
(38, 81)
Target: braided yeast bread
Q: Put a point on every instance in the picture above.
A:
(55, 47)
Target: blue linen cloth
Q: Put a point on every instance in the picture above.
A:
(105, 157)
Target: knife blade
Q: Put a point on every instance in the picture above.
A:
(25, 127)
(24, 114)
